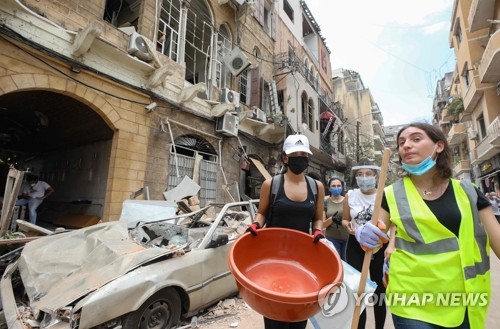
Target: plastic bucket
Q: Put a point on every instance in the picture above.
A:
(280, 272)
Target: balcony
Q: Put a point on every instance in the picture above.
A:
(461, 167)
(473, 94)
(474, 160)
(489, 70)
(457, 134)
(485, 150)
(493, 130)
(480, 12)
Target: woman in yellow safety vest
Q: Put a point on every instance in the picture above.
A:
(439, 271)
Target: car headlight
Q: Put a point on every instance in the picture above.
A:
(54, 320)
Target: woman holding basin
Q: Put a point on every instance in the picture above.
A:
(295, 206)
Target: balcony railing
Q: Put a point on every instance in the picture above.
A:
(473, 94)
(461, 167)
(480, 12)
(457, 134)
(493, 130)
(485, 150)
(489, 70)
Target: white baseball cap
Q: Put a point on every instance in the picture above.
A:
(296, 143)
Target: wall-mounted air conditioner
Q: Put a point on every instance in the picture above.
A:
(230, 97)
(236, 61)
(473, 135)
(137, 47)
(258, 114)
(227, 124)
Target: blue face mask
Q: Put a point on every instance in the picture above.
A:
(420, 168)
(366, 183)
(335, 191)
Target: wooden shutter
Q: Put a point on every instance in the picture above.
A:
(255, 87)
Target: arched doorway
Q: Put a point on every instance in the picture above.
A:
(64, 142)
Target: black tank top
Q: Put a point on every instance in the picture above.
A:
(296, 215)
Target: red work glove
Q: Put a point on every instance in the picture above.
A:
(253, 228)
(317, 235)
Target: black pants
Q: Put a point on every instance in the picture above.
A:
(273, 324)
(354, 257)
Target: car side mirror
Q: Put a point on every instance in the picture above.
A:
(218, 240)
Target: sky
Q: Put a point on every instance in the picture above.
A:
(400, 49)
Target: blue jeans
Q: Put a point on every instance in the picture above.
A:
(33, 204)
(405, 323)
(340, 245)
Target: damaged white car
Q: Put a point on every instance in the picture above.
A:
(109, 276)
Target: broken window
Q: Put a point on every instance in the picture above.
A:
(121, 13)
(168, 29)
(224, 46)
(199, 30)
(244, 86)
(182, 163)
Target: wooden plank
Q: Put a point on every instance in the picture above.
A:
(12, 187)
(261, 168)
(29, 227)
(19, 240)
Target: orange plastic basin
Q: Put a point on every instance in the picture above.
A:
(280, 272)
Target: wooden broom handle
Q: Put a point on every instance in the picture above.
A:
(368, 254)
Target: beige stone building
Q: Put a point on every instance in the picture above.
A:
(362, 130)
(104, 98)
(304, 86)
(474, 124)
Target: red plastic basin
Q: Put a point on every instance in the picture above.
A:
(280, 272)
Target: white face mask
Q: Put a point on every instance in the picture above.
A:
(32, 185)
(366, 183)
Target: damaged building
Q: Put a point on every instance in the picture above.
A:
(102, 99)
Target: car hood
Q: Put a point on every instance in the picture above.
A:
(57, 270)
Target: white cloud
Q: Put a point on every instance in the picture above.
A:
(395, 46)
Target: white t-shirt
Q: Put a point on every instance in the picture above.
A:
(360, 206)
(38, 190)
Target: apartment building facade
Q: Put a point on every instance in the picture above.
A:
(105, 98)
(363, 126)
(474, 128)
(304, 85)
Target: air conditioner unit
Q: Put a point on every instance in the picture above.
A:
(236, 61)
(227, 124)
(259, 114)
(473, 135)
(137, 47)
(230, 97)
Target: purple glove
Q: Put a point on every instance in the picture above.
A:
(385, 271)
(370, 236)
(253, 228)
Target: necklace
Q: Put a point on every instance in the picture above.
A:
(433, 189)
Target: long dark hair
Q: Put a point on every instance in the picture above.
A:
(443, 159)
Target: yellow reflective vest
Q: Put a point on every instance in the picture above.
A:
(434, 276)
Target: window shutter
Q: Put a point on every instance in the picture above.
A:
(259, 11)
(255, 88)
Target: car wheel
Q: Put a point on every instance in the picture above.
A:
(160, 311)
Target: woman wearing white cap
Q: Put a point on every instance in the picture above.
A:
(295, 206)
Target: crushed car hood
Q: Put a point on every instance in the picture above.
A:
(57, 270)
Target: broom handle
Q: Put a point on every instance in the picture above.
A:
(368, 254)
